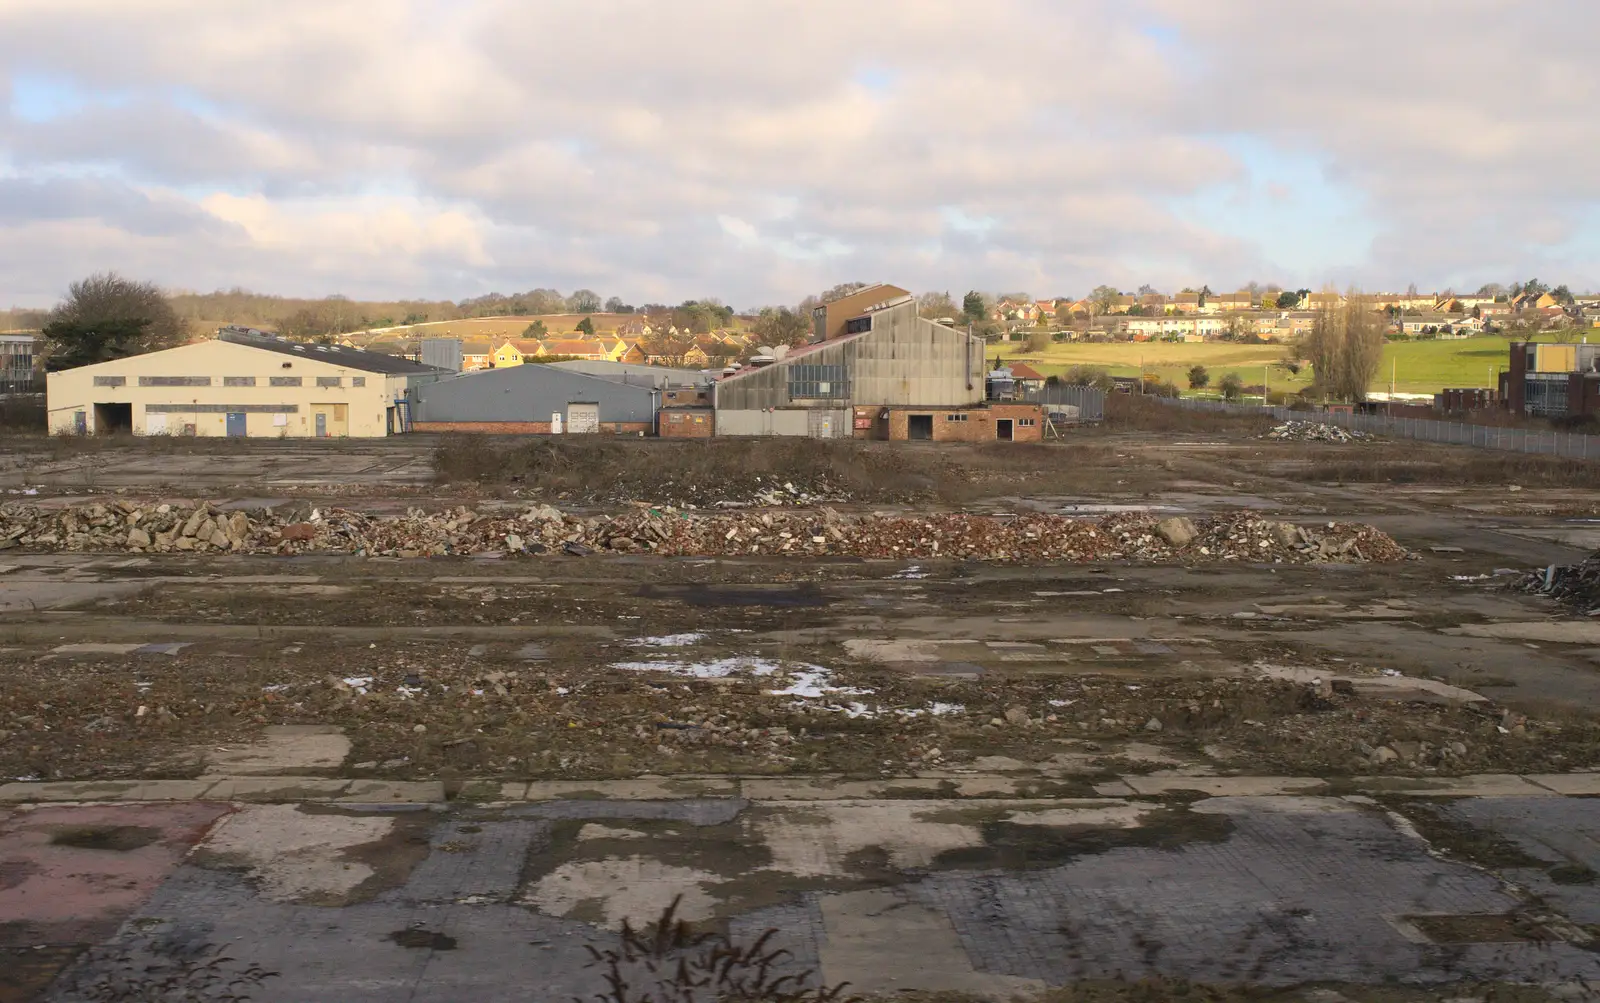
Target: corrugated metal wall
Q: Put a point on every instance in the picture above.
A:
(529, 393)
(903, 360)
(816, 422)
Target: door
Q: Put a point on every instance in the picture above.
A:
(322, 424)
(919, 426)
(583, 418)
(236, 424)
(155, 424)
(1002, 429)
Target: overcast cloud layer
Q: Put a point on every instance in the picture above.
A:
(758, 150)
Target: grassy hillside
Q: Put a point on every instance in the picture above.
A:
(1419, 366)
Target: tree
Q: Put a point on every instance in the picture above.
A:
(1491, 289)
(1199, 376)
(1104, 298)
(1345, 348)
(937, 306)
(615, 305)
(1288, 300)
(1148, 290)
(974, 306)
(584, 301)
(1532, 288)
(842, 290)
(781, 326)
(1231, 386)
(1562, 294)
(586, 326)
(535, 330)
(1038, 340)
(668, 348)
(106, 316)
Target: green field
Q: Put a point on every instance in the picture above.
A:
(1418, 366)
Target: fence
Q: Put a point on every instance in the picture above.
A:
(1571, 445)
(1089, 402)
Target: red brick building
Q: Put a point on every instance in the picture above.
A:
(975, 423)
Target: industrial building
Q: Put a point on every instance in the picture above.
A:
(869, 361)
(1552, 381)
(243, 383)
(659, 377)
(537, 400)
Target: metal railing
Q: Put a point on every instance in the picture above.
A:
(1572, 445)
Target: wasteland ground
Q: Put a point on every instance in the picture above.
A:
(960, 776)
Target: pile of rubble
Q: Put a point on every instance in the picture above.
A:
(124, 525)
(1576, 585)
(1315, 431)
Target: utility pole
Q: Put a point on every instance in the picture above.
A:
(1394, 371)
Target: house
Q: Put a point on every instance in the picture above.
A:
(1026, 379)
(1324, 301)
(1174, 327)
(1495, 308)
(475, 354)
(506, 355)
(573, 348)
(244, 383)
(1229, 302)
(1016, 311)
(696, 357)
(1046, 309)
(632, 352)
(1186, 303)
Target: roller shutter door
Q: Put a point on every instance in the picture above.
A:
(583, 418)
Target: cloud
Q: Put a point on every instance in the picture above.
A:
(758, 151)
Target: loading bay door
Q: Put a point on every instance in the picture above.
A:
(583, 418)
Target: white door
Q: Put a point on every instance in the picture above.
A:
(155, 424)
(583, 418)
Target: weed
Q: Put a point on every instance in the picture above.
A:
(172, 973)
(669, 962)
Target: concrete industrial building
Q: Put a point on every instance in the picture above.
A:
(536, 400)
(1552, 381)
(659, 377)
(881, 359)
(243, 383)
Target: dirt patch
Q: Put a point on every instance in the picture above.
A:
(26, 972)
(1464, 841)
(116, 838)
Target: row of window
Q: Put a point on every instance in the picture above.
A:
(817, 382)
(227, 381)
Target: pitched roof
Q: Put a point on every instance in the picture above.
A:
(338, 355)
(1023, 371)
(572, 347)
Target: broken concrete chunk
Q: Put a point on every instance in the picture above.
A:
(1177, 531)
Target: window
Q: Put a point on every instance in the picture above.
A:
(110, 381)
(1026, 421)
(814, 381)
(329, 381)
(238, 381)
(955, 417)
(858, 325)
(358, 381)
(174, 381)
(284, 381)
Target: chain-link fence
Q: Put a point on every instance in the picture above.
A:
(1573, 445)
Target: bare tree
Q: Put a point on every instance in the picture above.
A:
(1345, 347)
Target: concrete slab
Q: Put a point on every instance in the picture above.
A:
(105, 790)
(95, 648)
(1572, 784)
(394, 792)
(882, 941)
(294, 855)
(1492, 785)
(639, 789)
(823, 789)
(1553, 631)
(1224, 786)
(276, 789)
(73, 874)
(282, 750)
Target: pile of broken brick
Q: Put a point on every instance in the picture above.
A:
(1315, 431)
(127, 525)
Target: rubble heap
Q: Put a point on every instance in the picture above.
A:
(1576, 585)
(1315, 431)
(124, 525)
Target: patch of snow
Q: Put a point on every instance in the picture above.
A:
(407, 692)
(808, 682)
(669, 640)
(357, 683)
(914, 571)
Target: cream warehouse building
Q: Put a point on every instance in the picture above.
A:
(244, 383)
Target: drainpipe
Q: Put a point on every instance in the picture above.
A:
(969, 355)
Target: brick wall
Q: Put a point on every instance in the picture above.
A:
(684, 423)
(691, 397)
(973, 424)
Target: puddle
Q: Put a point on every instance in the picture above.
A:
(426, 940)
(117, 838)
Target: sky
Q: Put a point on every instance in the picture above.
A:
(761, 150)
